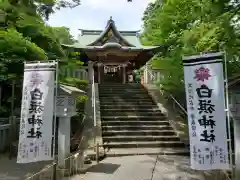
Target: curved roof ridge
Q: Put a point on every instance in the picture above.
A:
(111, 24)
(98, 30)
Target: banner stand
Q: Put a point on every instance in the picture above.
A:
(38, 104)
(55, 138)
(227, 110)
(207, 115)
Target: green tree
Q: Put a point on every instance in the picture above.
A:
(63, 35)
(24, 36)
(188, 27)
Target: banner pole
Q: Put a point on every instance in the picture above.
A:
(228, 114)
(55, 121)
(12, 121)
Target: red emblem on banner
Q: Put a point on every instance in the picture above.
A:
(36, 79)
(202, 74)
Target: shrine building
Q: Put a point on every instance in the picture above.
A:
(112, 54)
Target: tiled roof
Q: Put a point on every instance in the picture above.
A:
(88, 37)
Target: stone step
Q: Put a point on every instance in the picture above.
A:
(136, 127)
(113, 152)
(120, 84)
(139, 133)
(126, 89)
(130, 109)
(139, 138)
(135, 103)
(126, 106)
(120, 123)
(121, 87)
(124, 95)
(130, 113)
(133, 118)
(107, 88)
(143, 144)
(130, 101)
(116, 100)
(133, 86)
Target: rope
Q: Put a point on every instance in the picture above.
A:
(55, 163)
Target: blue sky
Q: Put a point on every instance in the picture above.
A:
(93, 14)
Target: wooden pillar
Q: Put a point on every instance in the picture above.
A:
(124, 73)
(99, 72)
(119, 74)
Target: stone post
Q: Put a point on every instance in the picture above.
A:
(90, 72)
(63, 140)
(146, 74)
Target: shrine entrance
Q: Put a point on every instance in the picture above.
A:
(112, 74)
(112, 55)
(109, 73)
(111, 77)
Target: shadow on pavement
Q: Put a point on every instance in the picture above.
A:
(10, 170)
(106, 168)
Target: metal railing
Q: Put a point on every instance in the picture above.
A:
(74, 166)
(76, 73)
(4, 121)
(174, 101)
(153, 78)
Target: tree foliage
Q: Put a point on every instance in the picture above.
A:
(189, 27)
(63, 35)
(24, 36)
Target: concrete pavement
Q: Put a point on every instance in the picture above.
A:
(168, 167)
(141, 168)
(10, 170)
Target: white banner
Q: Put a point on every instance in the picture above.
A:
(36, 126)
(204, 85)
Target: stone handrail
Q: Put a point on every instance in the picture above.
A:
(182, 109)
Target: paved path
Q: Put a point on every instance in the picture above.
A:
(140, 168)
(10, 170)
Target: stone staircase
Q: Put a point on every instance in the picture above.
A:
(132, 124)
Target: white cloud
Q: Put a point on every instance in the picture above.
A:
(93, 14)
(115, 4)
(104, 4)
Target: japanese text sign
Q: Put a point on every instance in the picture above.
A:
(64, 102)
(36, 126)
(204, 85)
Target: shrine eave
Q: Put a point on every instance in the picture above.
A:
(107, 46)
(142, 53)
